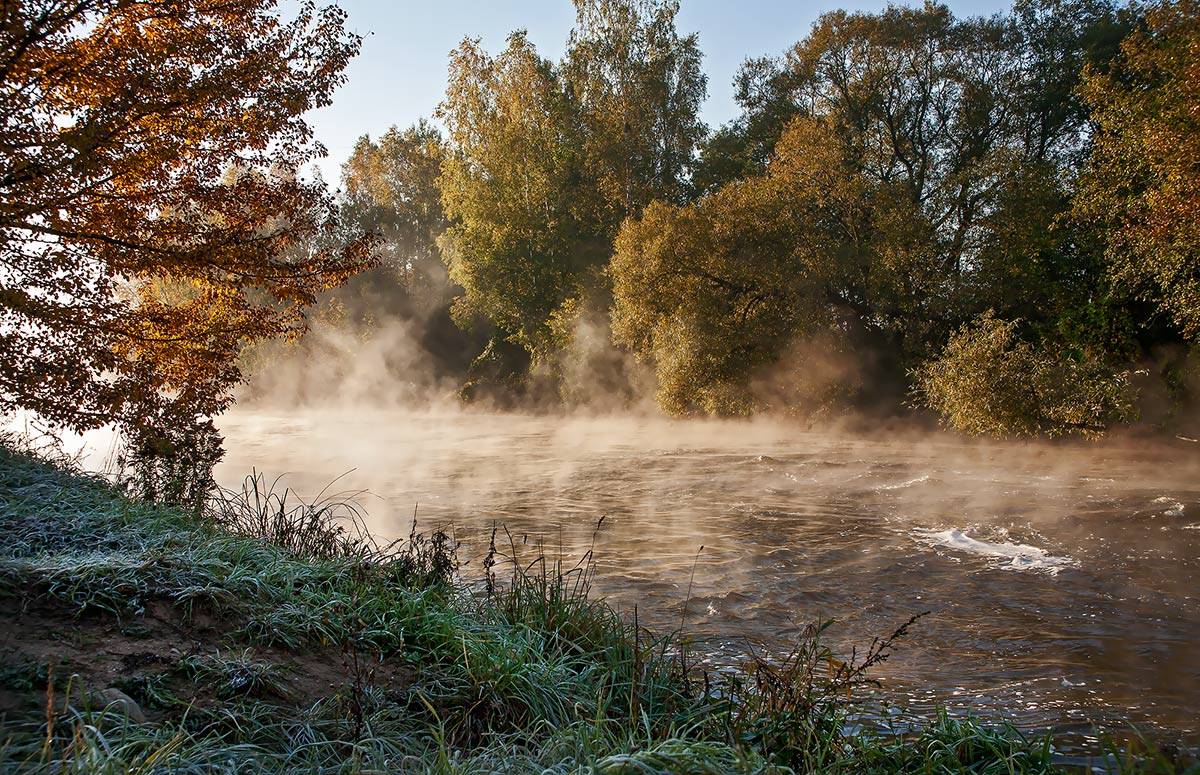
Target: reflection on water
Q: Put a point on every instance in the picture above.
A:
(1062, 579)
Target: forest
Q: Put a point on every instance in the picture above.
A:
(992, 220)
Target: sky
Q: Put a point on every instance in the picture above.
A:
(400, 74)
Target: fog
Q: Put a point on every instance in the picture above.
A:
(1060, 575)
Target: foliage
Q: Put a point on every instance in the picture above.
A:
(169, 459)
(896, 175)
(391, 189)
(152, 217)
(714, 291)
(1143, 184)
(544, 161)
(990, 381)
(743, 147)
(506, 183)
(638, 87)
(794, 710)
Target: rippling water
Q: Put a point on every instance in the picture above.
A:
(1063, 580)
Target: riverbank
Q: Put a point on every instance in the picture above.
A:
(267, 639)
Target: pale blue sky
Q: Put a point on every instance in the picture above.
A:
(400, 75)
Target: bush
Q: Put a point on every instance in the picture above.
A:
(988, 381)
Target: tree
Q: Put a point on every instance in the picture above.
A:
(1143, 183)
(763, 88)
(147, 145)
(944, 169)
(638, 86)
(989, 380)
(508, 185)
(715, 292)
(390, 187)
(1057, 39)
(544, 162)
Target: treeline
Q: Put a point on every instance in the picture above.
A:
(992, 218)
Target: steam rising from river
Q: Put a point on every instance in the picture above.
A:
(1061, 576)
(421, 360)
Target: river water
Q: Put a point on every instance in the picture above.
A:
(1063, 580)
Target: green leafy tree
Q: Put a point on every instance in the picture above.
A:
(508, 181)
(638, 87)
(990, 381)
(1057, 39)
(544, 162)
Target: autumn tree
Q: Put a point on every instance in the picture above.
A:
(544, 161)
(991, 380)
(509, 185)
(638, 87)
(150, 145)
(713, 293)
(1143, 183)
(945, 167)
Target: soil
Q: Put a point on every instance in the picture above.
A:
(52, 656)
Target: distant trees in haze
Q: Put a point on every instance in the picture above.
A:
(987, 217)
(391, 187)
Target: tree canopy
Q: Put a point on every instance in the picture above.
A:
(544, 161)
(391, 189)
(992, 218)
(1143, 182)
(895, 176)
(152, 213)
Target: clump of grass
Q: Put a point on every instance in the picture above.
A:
(331, 526)
(328, 527)
(236, 676)
(548, 607)
(796, 710)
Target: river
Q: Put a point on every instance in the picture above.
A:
(1063, 580)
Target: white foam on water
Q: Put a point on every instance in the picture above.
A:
(902, 485)
(1176, 508)
(1003, 555)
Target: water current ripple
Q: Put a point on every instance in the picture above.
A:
(1062, 579)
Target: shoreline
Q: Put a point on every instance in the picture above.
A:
(136, 636)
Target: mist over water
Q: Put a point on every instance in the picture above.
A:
(1062, 579)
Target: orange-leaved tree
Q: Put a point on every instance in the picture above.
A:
(153, 218)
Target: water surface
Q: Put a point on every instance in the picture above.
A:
(1063, 580)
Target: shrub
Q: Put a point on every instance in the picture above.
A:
(989, 381)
